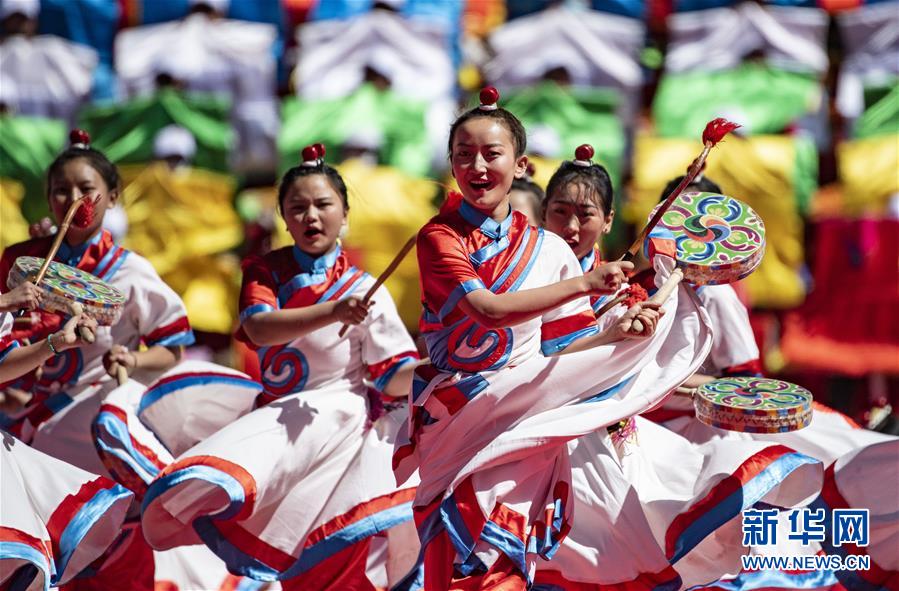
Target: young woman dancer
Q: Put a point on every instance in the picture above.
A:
(630, 526)
(495, 408)
(56, 518)
(69, 388)
(296, 490)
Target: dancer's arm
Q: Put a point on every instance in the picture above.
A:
(508, 309)
(277, 327)
(23, 359)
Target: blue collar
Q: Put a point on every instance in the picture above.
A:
(72, 255)
(488, 226)
(315, 265)
(588, 260)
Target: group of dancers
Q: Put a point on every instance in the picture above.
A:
(538, 446)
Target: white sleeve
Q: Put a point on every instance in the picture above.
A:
(734, 343)
(565, 324)
(161, 315)
(386, 344)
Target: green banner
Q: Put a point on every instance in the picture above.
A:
(28, 145)
(579, 116)
(125, 132)
(400, 122)
(881, 116)
(764, 99)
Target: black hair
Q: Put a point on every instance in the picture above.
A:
(510, 121)
(329, 172)
(594, 177)
(97, 160)
(532, 188)
(704, 184)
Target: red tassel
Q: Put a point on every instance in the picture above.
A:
(716, 129)
(321, 150)
(79, 136)
(452, 202)
(635, 294)
(84, 215)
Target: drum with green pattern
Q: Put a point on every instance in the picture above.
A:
(63, 285)
(719, 239)
(753, 405)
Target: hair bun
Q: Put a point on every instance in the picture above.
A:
(489, 97)
(584, 155)
(78, 138)
(313, 154)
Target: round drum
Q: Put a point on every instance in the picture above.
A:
(719, 239)
(63, 285)
(753, 405)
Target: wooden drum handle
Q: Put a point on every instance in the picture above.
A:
(662, 294)
(384, 276)
(86, 334)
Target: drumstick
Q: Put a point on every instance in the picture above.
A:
(121, 374)
(384, 276)
(60, 234)
(57, 241)
(661, 295)
(714, 132)
(683, 390)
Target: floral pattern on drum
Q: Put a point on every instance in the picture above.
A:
(755, 405)
(63, 285)
(719, 239)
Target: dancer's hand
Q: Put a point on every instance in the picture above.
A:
(45, 227)
(69, 337)
(352, 310)
(27, 296)
(607, 278)
(648, 313)
(119, 356)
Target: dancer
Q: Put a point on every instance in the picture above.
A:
(494, 409)
(296, 490)
(69, 388)
(629, 528)
(56, 518)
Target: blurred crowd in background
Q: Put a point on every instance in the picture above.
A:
(202, 103)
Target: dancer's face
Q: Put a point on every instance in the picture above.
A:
(484, 165)
(575, 213)
(75, 179)
(314, 214)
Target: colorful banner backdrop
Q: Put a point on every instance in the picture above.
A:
(387, 207)
(89, 22)
(125, 132)
(881, 117)
(28, 145)
(210, 287)
(13, 228)
(399, 122)
(774, 174)
(578, 116)
(180, 214)
(182, 221)
(868, 172)
(762, 99)
(848, 323)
